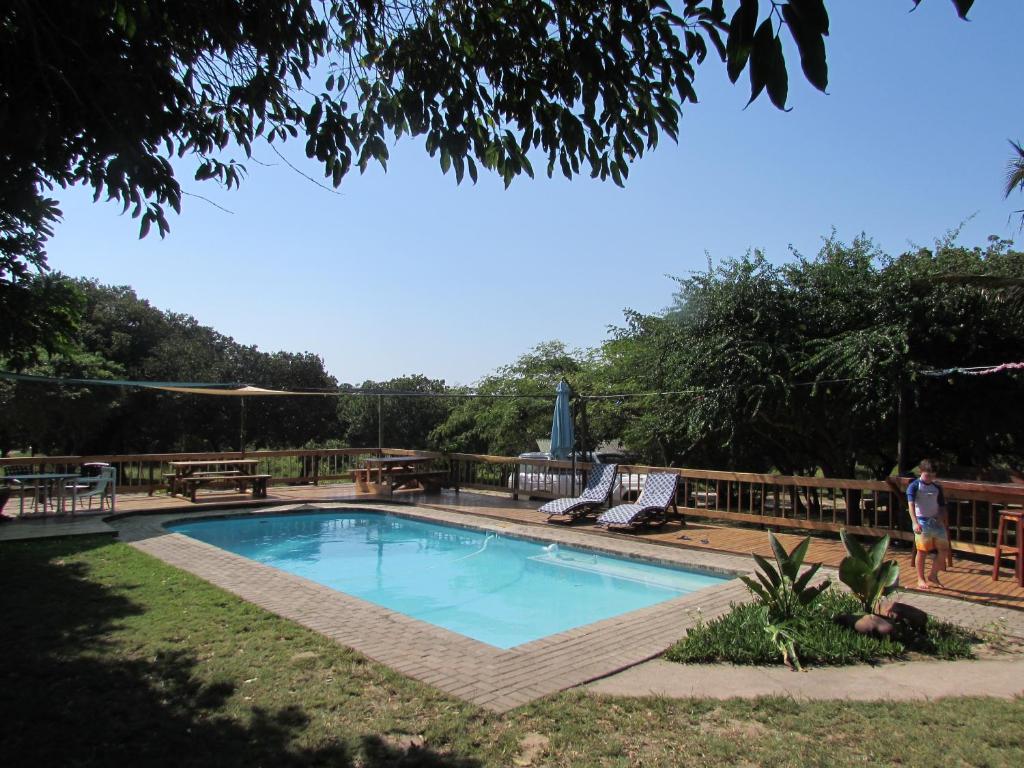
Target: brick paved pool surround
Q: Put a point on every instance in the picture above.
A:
(497, 679)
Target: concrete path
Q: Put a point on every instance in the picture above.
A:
(917, 680)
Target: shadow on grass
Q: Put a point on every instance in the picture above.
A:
(68, 697)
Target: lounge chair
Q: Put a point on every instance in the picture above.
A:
(600, 482)
(658, 493)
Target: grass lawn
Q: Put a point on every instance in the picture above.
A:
(113, 658)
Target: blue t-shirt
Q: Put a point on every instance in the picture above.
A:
(927, 497)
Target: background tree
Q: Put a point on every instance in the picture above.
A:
(517, 406)
(121, 336)
(810, 366)
(407, 421)
(850, 338)
(1015, 174)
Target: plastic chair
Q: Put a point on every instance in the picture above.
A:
(103, 485)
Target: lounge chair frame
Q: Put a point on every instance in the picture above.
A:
(653, 512)
(600, 486)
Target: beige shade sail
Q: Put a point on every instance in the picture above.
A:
(233, 392)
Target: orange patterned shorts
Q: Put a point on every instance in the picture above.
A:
(932, 535)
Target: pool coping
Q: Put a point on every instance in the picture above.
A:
(490, 677)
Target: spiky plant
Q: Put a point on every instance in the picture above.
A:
(865, 573)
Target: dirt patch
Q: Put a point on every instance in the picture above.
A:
(531, 747)
(402, 742)
(714, 723)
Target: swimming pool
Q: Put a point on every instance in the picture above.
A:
(498, 589)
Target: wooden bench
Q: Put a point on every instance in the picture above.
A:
(173, 480)
(431, 481)
(189, 484)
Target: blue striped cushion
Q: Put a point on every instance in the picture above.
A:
(658, 492)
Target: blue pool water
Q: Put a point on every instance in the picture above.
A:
(498, 589)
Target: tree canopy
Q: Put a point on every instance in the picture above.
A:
(106, 93)
(121, 336)
(803, 367)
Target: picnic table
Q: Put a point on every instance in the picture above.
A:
(189, 476)
(393, 472)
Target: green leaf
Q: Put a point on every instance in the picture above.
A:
(805, 578)
(889, 574)
(878, 551)
(777, 78)
(853, 572)
(814, 14)
(759, 55)
(808, 596)
(781, 556)
(741, 38)
(811, 45)
(770, 588)
(798, 554)
(769, 570)
(756, 588)
(853, 547)
(962, 7)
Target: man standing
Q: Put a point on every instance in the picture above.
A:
(928, 516)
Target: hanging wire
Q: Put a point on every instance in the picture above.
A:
(229, 388)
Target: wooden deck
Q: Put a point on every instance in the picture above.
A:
(969, 579)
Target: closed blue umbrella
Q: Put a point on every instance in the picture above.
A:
(561, 425)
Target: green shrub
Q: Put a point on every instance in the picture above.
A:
(785, 593)
(739, 637)
(865, 573)
(783, 590)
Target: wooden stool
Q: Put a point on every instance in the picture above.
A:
(1016, 517)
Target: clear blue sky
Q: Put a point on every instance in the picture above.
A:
(910, 141)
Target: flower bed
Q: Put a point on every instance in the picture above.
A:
(740, 637)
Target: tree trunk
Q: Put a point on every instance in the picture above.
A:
(903, 427)
(854, 512)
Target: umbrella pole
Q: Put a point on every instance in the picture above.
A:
(241, 426)
(575, 442)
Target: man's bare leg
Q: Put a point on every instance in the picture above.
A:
(941, 556)
(921, 558)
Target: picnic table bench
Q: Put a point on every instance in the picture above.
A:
(189, 476)
(393, 472)
(188, 486)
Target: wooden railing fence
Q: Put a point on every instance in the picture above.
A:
(866, 507)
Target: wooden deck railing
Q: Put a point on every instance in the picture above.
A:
(144, 473)
(866, 507)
